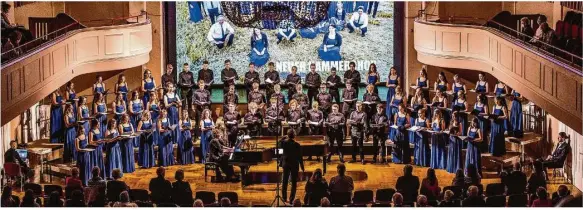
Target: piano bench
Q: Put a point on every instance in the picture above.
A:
(209, 166)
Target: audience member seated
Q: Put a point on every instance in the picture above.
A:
(447, 199)
(542, 198)
(115, 186)
(29, 200)
(547, 36)
(181, 192)
(538, 33)
(12, 43)
(73, 181)
(562, 193)
(297, 203)
(96, 180)
(408, 185)
(341, 182)
(516, 181)
(160, 188)
(459, 179)
(525, 29)
(76, 199)
(225, 202)
(472, 176)
(559, 155)
(422, 201)
(8, 200)
(430, 186)
(11, 155)
(97, 189)
(124, 200)
(397, 200)
(316, 189)
(537, 179)
(474, 199)
(54, 200)
(324, 202)
(198, 203)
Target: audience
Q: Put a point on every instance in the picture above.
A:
(422, 201)
(525, 29)
(29, 199)
(472, 176)
(562, 193)
(124, 200)
(225, 202)
(8, 199)
(324, 202)
(316, 189)
(397, 200)
(516, 181)
(447, 200)
(430, 186)
(97, 189)
(539, 21)
(459, 179)
(341, 182)
(474, 199)
(537, 178)
(198, 203)
(54, 200)
(76, 199)
(73, 181)
(96, 180)
(181, 192)
(160, 188)
(547, 36)
(542, 198)
(408, 184)
(297, 203)
(115, 186)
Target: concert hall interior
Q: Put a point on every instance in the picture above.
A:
(291, 103)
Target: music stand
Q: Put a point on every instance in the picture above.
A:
(277, 188)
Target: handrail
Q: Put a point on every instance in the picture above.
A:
(43, 37)
(422, 14)
(117, 18)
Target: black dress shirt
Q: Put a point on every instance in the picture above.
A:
(313, 80)
(336, 82)
(352, 77)
(186, 80)
(228, 76)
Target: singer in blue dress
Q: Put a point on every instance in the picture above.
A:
(185, 145)
(122, 87)
(84, 114)
(396, 101)
(98, 88)
(457, 86)
(497, 141)
(460, 106)
(57, 123)
(206, 131)
(372, 77)
(146, 157)
(127, 145)
(392, 83)
(165, 142)
(72, 97)
(119, 107)
(454, 149)
(148, 86)
(501, 90)
(84, 162)
(423, 82)
(70, 152)
(330, 48)
(515, 128)
(484, 123)
(422, 152)
(100, 110)
(136, 109)
(172, 101)
(259, 54)
(154, 107)
(473, 153)
(97, 155)
(438, 142)
(482, 87)
(401, 150)
(112, 150)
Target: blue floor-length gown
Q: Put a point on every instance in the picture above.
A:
(97, 154)
(422, 153)
(462, 118)
(259, 45)
(438, 148)
(127, 150)
(473, 153)
(497, 140)
(205, 139)
(414, 115)
(113, 154)
(185, 147)
(401, 151)
(70, 152)
(102, 118)
(516, 117)
(154, 112)
(454, 154)
(390, 94)
(173, 115)
(84, 162)
(165, 145)
(73, 96)
(422, 85)
(394, 110)
(137, 107)
(119, 108)
(484, 127)
(85, 115)
(332, 53)
(146, 157)
(149, 87)
(124, 93)
(57, 123)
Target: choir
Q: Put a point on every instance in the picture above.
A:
(433, 131)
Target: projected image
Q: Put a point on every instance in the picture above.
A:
(329, 34)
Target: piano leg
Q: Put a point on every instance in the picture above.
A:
(244, 172)
(324, 157)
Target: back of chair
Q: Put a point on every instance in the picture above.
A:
(206, 197)
(362, 197)
(496, 201)
(494, 189)
(139, 195)
(574, 31)
(559, 27)
(518, 200)
(233, 196)
(69, 190)
(49, 188)
(36, 188)
(340, 198)
(385, 195)
(12, 169)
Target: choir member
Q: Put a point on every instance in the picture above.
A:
(392, 83)
(401, 149)
(497, 140)
(168, 77)
(335, 124)
(146, 157)
(100, 112)
(315, 120)
(228, 76)
(217, 155)
(278, 96)
(482, 85)
(349, 97)
(423, 82)
(185, 83)
(454, 149)
(127, 145)
(417, 103)
(83, 114)
(460, 106)
(500, 89)
(119, 107)
(253, 120)
(473, 153)
(271, 77)
(206, 75)
(202, 100)
(122, 87)
(112, 149)
(378, 131)
(71, 97)
(292, 80)
(515, 128)
(172, 103)
(148, 85)
(353, 77)
(251, 77)
(57, 132)
(153, 107)
(232, 120)
(324, 100)
(165, 141)
(295, 116)
(357, 123)
(301, 98)
(438, 142)
(480, 111)
(84, 161)
(457, 86)
(370, 101)
(230, 98)
(70, 128)
(372, 77)
(422, 151)
(98, 87)
(185, 145)
(441, 83)
(206, 127)
(256, 96)
(333, 82)
(313, 82)
(398, 99)
(136, 108)
(273, 117)
(439, 102)
(96, 155)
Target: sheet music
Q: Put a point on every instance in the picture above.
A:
(415, 128)
(394, 126)
(314, 123)
(268, 80)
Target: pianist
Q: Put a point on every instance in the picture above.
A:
(217, 156)
(12, 156)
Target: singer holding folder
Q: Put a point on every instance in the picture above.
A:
(136, 108)
(274, 116)
(185, 145)
(95, 135)
(165, 144)
(100, 111)
(335, 124)
(172, 102)
(454, 149)
(113, 149)
(70, 123)
(84, 115)
(294, 116)
(401, 149)
(84, 162)
(473, 153)
(438, 142)
(422, 150)
(146, 157)
(127, 144)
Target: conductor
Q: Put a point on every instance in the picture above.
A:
(291, 163)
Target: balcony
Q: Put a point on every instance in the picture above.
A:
(30, 78)
(551, 82)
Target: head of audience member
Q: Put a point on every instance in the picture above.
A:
(124, 197)
(541, 19)
(472, 172)
(161, 172)
(77, 196)
(516, 166)
(562, 136)
(541, 193)
(297, 203)
(75, 173)
(473, 191)
(179, 175)
(6, 194)
(95, 171)
(6, 7)
(408, 170)
(524, 22)
(324, 202)
(422, 201)
(198, 203)
(397, 199)
(54, 200)
(563, 191)
(316, 176)
(29, 198)
(544, 27)
(431, 176)
(225, 202)
(116, 174)
(341, 168)
(448, 195)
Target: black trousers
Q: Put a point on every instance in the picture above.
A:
(225, 167)
(254, 129)
(335, 135)
(273, 129)
(347, 108)
(290, 93)
(269, 90)
(315, 129)
(289, 172)
(376, 138)
(297, 128)
(232, 134)
(335, 96)
(357, 137)
(325, 112)
(186, 96)
(312, 94)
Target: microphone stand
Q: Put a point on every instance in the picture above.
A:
(277, 187)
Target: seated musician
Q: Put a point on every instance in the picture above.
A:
(559, 155)
(217, 156)
(378, 131)
(253, 120)
(230, 98)
(301, 98)
(12, 156)
(232, 120)
(295, 116)
(256, 96)
(274, 116)
(349, 96)
(324, 99)
(335, 124)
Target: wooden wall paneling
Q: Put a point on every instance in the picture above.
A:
(518, 63)
(548, 80)
(451, 41)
